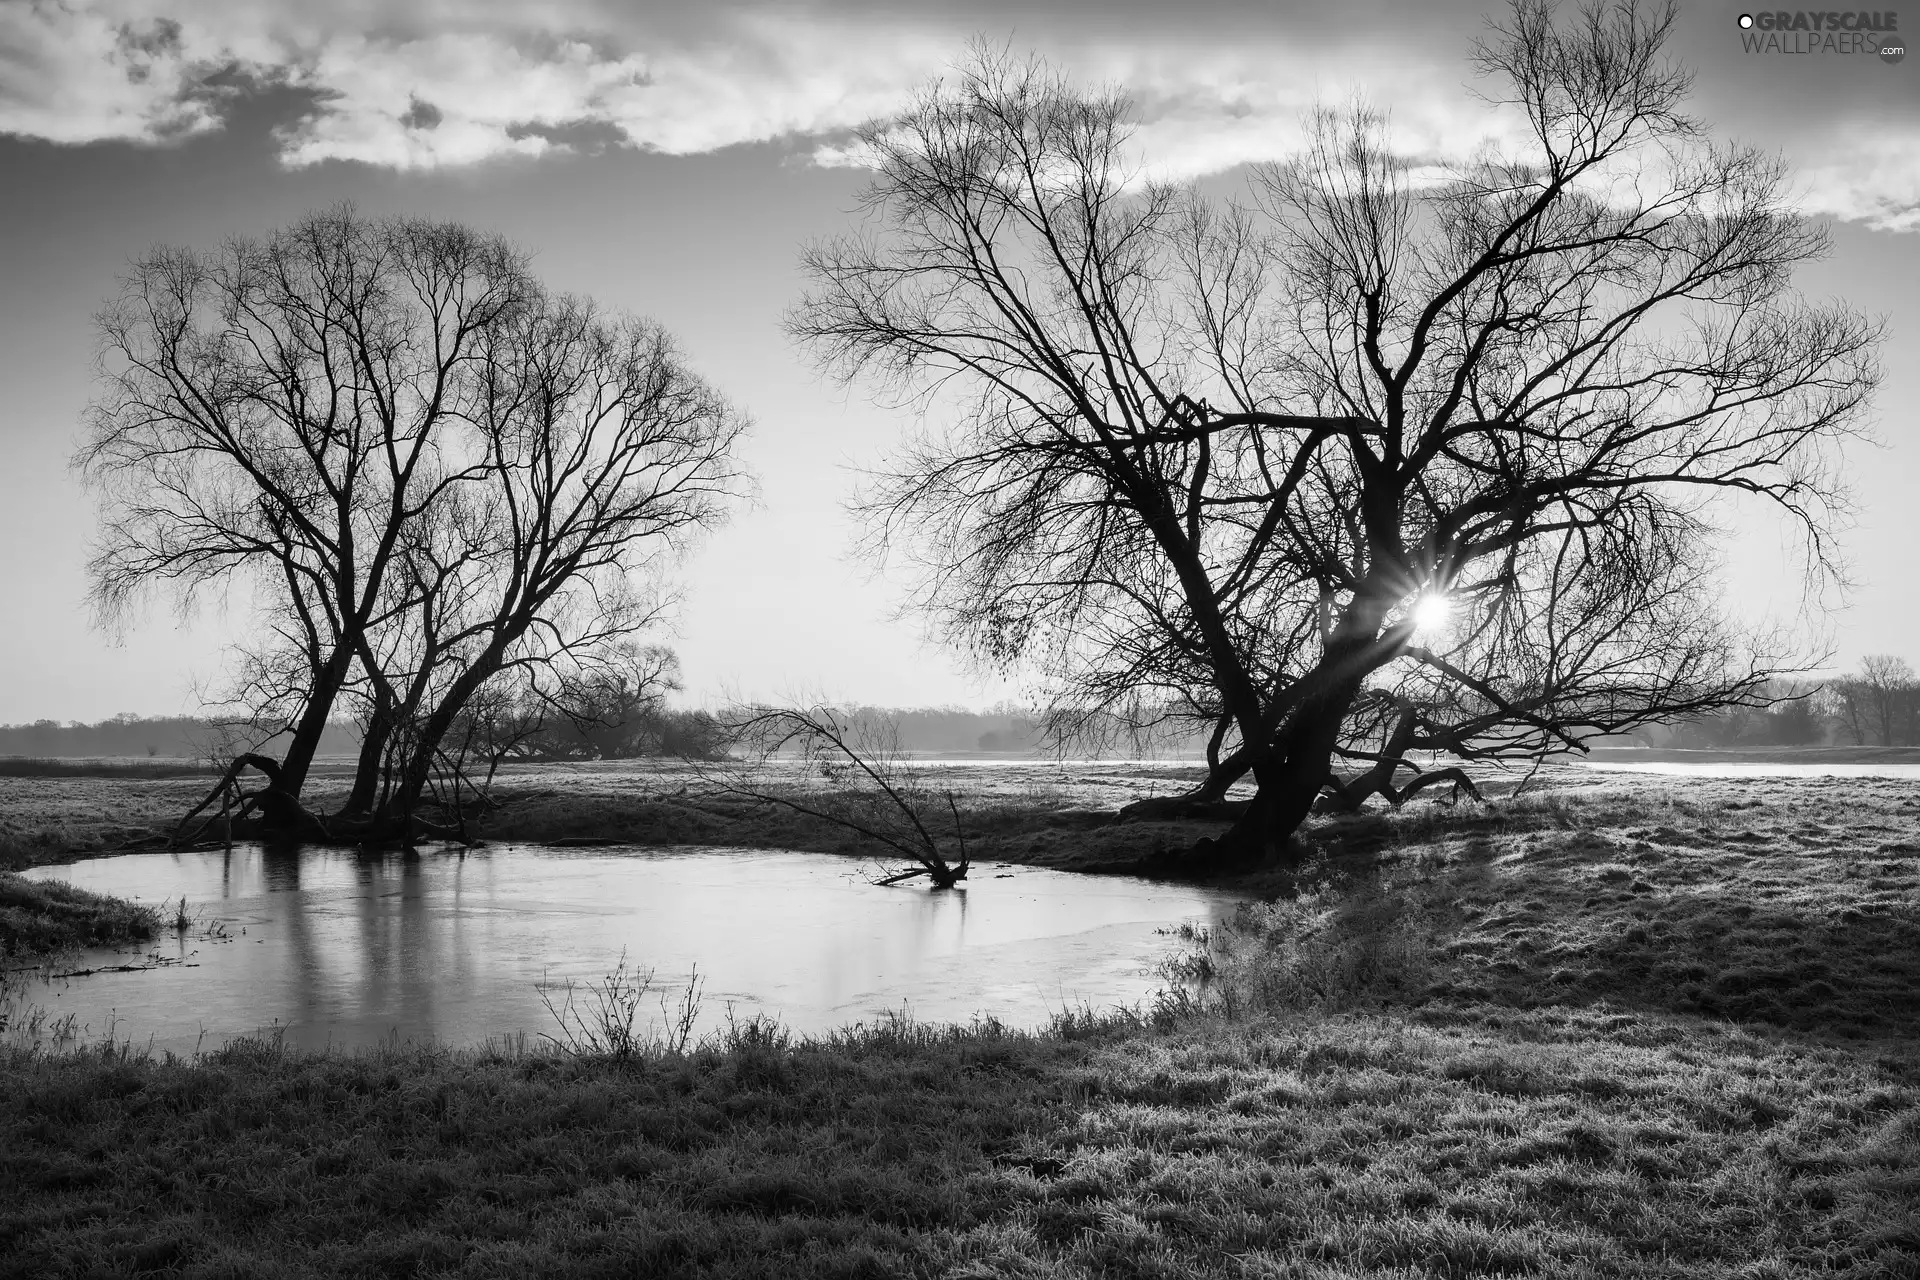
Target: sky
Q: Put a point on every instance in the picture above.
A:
(673, 158)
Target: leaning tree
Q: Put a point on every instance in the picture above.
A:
(431, 471)
(1246, 453)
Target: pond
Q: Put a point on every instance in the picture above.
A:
(343, 948)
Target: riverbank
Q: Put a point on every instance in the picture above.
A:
(38, 917)
(1032, 811)
(1043, 814)
(1614, 1028)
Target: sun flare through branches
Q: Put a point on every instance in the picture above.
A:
(1430, 613)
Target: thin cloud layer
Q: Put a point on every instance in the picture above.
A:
(1870, 176)
(462, 82)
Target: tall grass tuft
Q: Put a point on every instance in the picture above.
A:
(602, 1018)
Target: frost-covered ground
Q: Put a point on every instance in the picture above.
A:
(1622, 1025)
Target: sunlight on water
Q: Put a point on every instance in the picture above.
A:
(349, 949)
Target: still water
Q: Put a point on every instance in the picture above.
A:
(345, 949)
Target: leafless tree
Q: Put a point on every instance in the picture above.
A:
(1227, 451)
(594, 459)
(614, 706)
(432, 471)
(271, 415)
(1834, 701)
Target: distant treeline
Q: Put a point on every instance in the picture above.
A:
(191, 737)
(1008, 728)
(615, 730)
(1877, 706)
(649, 732)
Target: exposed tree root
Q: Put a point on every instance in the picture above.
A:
(281, 817)
(1350, 796)
(1235, 851)
(281, 812)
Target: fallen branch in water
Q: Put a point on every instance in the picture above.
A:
(127, 968)
(883, 804)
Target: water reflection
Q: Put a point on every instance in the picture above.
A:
(281, 865)
(350, 949)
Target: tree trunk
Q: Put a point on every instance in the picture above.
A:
(1286, 797)
(281, 813)
(313, 722)
(373, 748)
(1292, 775)
(279, 806)
(413, 779)
(1208, 800)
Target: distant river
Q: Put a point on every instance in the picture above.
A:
(348, 949)
(1755, 769)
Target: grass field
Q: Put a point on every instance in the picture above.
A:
(1618, 1027)
(46, 767)
(1446, 1141)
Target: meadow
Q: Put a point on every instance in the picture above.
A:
(1615, 1026)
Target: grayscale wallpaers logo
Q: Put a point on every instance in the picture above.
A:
(1799, 33)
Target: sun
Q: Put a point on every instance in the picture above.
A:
(1430, 614)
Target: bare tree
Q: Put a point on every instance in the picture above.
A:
(271, 415)
(1232, 452)
(612, 705)
(431, 471)
(595, 457)
(1843, 702)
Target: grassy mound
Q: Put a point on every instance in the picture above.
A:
(47, 915)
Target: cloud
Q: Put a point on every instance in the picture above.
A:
(495, 81)
(78, 75)
(1203, 109)
(452, 84)
(1869, 173)
(458, 82)
(446, 99)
